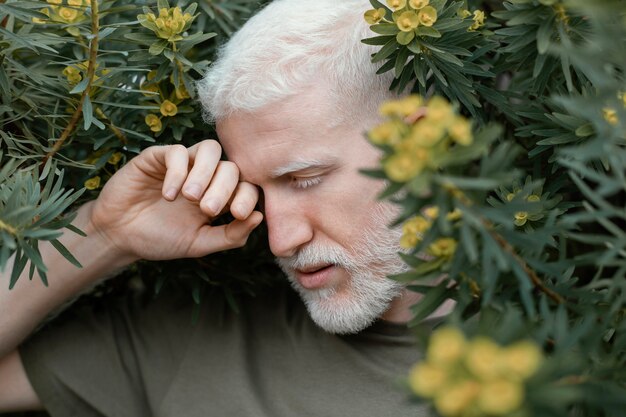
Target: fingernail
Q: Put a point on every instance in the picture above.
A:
(193, 190)
(213, 206)
(170, 194)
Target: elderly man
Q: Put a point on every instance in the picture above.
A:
(291, 95)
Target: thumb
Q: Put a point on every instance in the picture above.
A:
(211, 239)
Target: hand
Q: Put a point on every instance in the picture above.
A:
(160, 204)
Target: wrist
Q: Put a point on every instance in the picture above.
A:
(102, 247)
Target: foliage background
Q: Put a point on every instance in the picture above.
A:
(542, 81)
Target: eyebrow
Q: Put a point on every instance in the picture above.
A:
(301, 165)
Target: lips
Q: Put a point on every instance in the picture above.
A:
(315, 277)
(312, 269)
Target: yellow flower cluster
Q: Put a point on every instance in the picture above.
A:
(169, 24)
(154, 122)
(58, 13)
(418, 132)
(93, 183)
(478, 17)
(416, 13)
(74, 73)
(414, 228)
(523, 217)
(474, 377)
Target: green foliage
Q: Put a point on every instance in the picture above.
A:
(83, 89)
(529, 233)
(531, 213)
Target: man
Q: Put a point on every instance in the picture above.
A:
(291, 95)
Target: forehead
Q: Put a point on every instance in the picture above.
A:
(295, 130)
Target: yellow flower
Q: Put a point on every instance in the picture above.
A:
(75, 3)
(55, 2)
(374, 16)
(407, 21)
(408, 241)
(401, 108)
(461, 131)
(154, 122)
(451, 401)
(168, 108)
(510, 196)
(521, 217)
(115, 158)
(403, 166)
(169, 24)
(440, 110)
(396, 4)
(41, 21)
(482, 358)
(500, 397)
(181, 92)
(464, 13)
(533, 198)
(67, 14)
(446, 346)
(431, 212)
(610, 115)
(479, 20)
(426, 379)
(427, 16)
(521, 359)
(443, 247)
(415, 225)
(418, 4)
(426, 133)
(149, 90)
(387, 133)
(454, 215)
(73, 75)
(92, 183)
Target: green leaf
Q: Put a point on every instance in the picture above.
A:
(388, 49)
(403, 38)
(157, 47)
(431, 301)
(80, 87)
(385, 28)
(87, 113)
(427, 31)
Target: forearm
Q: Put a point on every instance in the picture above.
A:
(28, 303)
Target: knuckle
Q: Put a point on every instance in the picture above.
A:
(212, 146)
(177, 148)
(230, 167)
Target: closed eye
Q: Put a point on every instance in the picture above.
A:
(307, 182)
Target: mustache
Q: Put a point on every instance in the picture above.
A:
(316, 254)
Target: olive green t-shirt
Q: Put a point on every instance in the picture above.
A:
(135, 359)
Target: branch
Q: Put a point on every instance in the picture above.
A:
(532, 275)
(91, 71)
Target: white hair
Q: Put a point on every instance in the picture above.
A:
(368, 293)
(285, 48)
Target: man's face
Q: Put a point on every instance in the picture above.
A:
(325, 226)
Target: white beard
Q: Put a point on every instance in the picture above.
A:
(368, 292)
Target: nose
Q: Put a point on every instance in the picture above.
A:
(287, 224)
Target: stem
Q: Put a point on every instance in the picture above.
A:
(118, 133)
(532, 275)
(3, 226)
(534, 278)
(91, 71)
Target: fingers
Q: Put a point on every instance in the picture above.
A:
(205, 157)
(212, 239)
(222, 186)
(244, 201)
(199, 175)
(176, 160)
